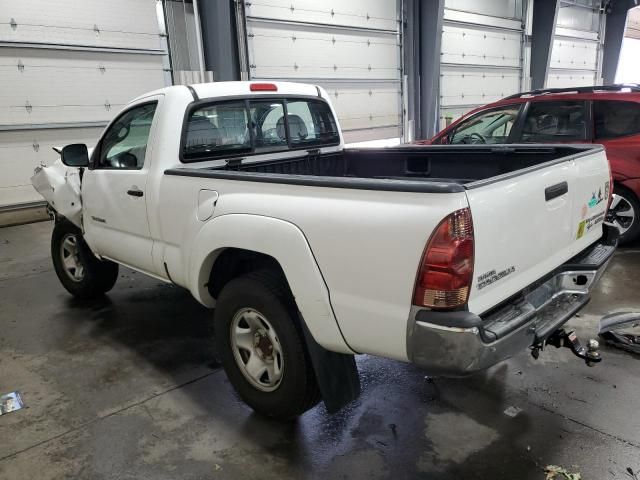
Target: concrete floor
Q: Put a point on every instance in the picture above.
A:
(128, 387)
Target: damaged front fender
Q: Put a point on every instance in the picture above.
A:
(60, 187)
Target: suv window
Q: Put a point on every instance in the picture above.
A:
(549, 121)
(124, 144)
(489, 127)
(257, 126)
(614, 118)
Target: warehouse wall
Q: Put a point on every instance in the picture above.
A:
(66, 68)
(352, 49)
(576, 52)
(481, 54)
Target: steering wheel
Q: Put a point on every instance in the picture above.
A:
(478, 136)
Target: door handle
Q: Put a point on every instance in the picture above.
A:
(135, 192)
(556, 190)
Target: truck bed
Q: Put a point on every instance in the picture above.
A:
(409, 168)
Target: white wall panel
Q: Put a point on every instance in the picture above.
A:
(113, 23)
(560, 79)
(464, 45)
(61, 86)
(352, 49)
(574, 54)
(297, 51)
(369, 14)
(481, 54)
(67, 64)
(472, 86)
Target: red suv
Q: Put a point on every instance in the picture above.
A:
(609, 115)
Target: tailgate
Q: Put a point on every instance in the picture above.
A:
(528, 223)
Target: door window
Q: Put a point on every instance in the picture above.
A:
(488, 127)
(614, 118)
(124, 144)
(548, 121)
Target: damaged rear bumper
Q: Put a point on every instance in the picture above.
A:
(459, 343)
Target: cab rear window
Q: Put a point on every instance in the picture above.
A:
(253, 126)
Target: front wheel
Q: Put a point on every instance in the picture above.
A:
(80, 272)
(623, 214)
(261, 345)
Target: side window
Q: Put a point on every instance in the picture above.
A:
(311, 122)
(216, 129)
(124, 145)
(489, 127)
(267, 121)
(614, 118)
(549, 121)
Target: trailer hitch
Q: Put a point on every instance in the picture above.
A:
(570, 340)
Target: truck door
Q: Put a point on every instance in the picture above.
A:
(114, 188)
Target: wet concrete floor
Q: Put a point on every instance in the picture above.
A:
(129, 388)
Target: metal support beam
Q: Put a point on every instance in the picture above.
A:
(219, 38)
(421, 48)
(616, 20)
(545, 15)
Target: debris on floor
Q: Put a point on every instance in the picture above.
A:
(610, 326)
(512, 411)
(554, 472)
(10, 402)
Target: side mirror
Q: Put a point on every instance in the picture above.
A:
(75, 155)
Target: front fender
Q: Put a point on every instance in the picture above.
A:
(286, 243)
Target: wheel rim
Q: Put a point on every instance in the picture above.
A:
(256, 349)
(70, 255)
(621, 214)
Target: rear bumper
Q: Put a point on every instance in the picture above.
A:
(460, 343)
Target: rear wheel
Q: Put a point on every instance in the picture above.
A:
(262, 347)
(80, 272)
(623, 214)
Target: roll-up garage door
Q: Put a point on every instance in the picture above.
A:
(352, 49)
(66, 68)
(575, 55)
(481, 54)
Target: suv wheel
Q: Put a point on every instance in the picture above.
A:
(623, 214)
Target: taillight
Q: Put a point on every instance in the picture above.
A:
(610, 188)
(263, 87)
(446, 268)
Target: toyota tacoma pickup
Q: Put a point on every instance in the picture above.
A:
(453, 258)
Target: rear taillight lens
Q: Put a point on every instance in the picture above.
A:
(446, 269)
(610, 188)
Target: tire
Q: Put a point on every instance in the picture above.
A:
(259, 306)
(626, 214)
(91, 277)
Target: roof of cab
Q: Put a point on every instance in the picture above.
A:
(237, 88)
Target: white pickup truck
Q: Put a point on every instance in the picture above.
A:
(450, 257)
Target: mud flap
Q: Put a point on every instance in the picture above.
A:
(336, 373)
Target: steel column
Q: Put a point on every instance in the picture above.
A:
(219, 40)
(616, 20)
(545, 14)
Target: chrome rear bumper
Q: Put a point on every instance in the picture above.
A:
(460, 343)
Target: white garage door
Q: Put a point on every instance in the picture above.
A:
(66, 68)
(576, 46)
(481, 54)
(352, 49)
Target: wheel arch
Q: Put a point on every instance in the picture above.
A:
(229, 244)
